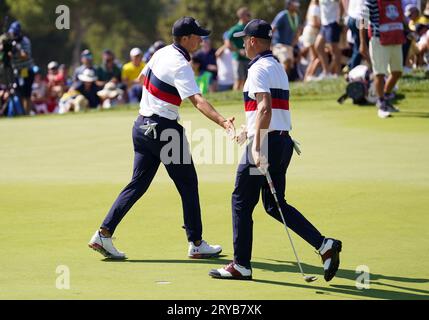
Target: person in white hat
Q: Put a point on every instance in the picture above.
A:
(130, 74)
(87, 62)
(87, 89)
(110, 95)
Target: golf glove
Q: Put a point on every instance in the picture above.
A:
(296, 146)
(241, 138)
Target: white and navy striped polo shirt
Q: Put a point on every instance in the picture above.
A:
(372, 12)
(266, 74)
(168, 79)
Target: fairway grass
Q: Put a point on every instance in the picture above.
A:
(359, 179)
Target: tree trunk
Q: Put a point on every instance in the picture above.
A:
(79, 33)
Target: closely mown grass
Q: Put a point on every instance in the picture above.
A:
(360, 179)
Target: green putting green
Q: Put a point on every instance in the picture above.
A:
(359, 179)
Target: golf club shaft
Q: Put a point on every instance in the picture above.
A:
(274, 193)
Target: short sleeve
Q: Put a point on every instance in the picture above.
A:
(124, 73)
(277, 22)
(144, 71)
(185, 83)
(258, 81)
(231, 34)
(314, 10)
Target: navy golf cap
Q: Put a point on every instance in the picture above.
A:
(256, 28)
(187, 26)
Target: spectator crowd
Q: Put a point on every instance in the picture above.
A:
(326, 43)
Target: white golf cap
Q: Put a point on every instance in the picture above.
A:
(53, 65)
(88, 75)
(135, 52)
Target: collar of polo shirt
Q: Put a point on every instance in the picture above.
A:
(264, 54)
(183, 51)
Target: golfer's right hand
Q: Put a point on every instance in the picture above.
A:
(229, 127)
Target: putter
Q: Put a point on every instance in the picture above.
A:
(274, 193)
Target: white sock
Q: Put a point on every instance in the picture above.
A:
(326, 246)
(322, 245)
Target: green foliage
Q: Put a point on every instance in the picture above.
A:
(96, 24)
(120, 25)
(219, 15)
(360, 179)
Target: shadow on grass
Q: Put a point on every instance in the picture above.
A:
(292, 267)
(412, 114)
(399, 97)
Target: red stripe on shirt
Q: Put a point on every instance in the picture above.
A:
(280, 104)
(164, 96)
(251, 105)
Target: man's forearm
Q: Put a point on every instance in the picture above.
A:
(207, 109)
(362, 33)
(263, 120)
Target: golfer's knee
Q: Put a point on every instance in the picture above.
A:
(271, 209)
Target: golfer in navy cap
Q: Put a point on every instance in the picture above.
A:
(266, 100)
(167, 80)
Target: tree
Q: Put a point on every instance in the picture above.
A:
(95, 24)
(219, 15)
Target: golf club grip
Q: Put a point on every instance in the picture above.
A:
(271, 185)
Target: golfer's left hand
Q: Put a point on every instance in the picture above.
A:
(241, 138)
(260, 161)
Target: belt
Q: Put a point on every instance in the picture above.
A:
(155, 116)
(280, 133)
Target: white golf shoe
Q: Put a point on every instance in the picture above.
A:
(105, 247)
(232, 271)
(203, 251)
(330, 253)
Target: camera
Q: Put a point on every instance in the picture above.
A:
(8, 48)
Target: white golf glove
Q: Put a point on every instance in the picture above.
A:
(296, 147)
(241, 138)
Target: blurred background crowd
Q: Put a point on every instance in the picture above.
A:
(314, 40)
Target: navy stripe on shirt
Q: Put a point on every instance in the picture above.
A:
(374, 16)
(161, 85)
(161, 90)
(275, 94)
(279, 98)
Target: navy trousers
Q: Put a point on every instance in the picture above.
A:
(148, 151)
(246, 196)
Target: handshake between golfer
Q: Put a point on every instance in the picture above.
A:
(167, 80)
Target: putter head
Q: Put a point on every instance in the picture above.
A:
(310, 278)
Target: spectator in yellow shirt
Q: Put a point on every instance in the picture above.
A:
(130, 74)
